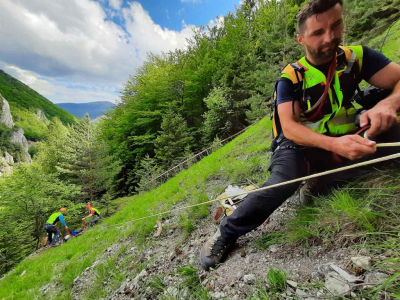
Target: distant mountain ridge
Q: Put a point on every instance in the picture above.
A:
(24, 104)
(94, 109)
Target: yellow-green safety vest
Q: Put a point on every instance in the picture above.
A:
(52, 219)
(339, 116)
(96, 210)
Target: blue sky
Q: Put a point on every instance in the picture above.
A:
(85, 50)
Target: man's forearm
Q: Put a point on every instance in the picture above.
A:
(304, 136)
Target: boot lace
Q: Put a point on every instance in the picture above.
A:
(218, 247)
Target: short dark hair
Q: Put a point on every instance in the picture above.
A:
(315, 7)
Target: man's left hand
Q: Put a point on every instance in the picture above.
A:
(381, 117)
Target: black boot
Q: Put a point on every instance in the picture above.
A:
(214, 251)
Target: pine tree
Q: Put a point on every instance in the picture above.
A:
(173, 140)
(86, 160)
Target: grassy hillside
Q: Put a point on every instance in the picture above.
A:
(390, 40)
(24, 102)
(243, 160)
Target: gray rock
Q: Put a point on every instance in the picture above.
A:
(344, 274)
(336, 285)
(218, 295)
(172, 291)
(239, 275)
(5, 113)
(324, 269)
(363, 262)
(40, 114)
(316, 275)
(273, 248)
(301, 293)
(292, 283)
(8, 158)
(375, 278)
(236, 297)
(249, 279)
(17, 137)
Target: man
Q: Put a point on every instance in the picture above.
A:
(93, 211)
(52, 229)
(315, 119)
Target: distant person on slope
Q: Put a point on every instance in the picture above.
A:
(93, 211)
(52, 229)
(315, 121)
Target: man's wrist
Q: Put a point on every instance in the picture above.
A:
(393, 101)
(327, 143)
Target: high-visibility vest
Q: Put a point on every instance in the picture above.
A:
(54, 218)
(96, 210)
(338, 114)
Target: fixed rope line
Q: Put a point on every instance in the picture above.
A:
(194, 156)
(357, 165)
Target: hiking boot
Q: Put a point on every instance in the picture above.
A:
(214, 251)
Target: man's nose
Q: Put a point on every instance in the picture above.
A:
(329, 36)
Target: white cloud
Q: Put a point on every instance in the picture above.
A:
(66, 42)
(116, 4)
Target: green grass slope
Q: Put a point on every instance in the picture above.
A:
(243, 160)
(24, 102)
(390, 40)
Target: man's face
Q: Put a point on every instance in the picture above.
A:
(321, 35)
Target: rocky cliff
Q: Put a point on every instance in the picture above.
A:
(17, 137)
(5, 113)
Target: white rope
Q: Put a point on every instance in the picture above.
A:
(194, 156)
(388, 145)
(361, 164)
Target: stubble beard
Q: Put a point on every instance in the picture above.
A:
(322, 56)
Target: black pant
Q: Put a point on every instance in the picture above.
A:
(289, 164)
(50, 229)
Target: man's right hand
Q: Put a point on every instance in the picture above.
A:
(353, 146)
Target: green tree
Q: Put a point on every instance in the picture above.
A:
(173, 140)
(27, 198)
(86, 161)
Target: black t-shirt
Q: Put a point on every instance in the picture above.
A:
(373, 62)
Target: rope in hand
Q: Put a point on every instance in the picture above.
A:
(357, 165)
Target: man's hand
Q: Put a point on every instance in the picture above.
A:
(83, 219)
(352, 146)
(381, 117)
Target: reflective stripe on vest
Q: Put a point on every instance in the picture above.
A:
(340, 120)
(53, 218)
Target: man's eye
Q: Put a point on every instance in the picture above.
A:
(318, 32)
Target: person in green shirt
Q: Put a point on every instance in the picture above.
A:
(51, 228)
(93, 212)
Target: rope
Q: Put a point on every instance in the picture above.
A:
(388, 145)
(361, 164)
(194, 156)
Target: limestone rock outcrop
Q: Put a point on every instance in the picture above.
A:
(5, 113)
(40, 114)
(18, 137)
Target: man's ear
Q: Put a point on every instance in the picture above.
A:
(300, 39)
